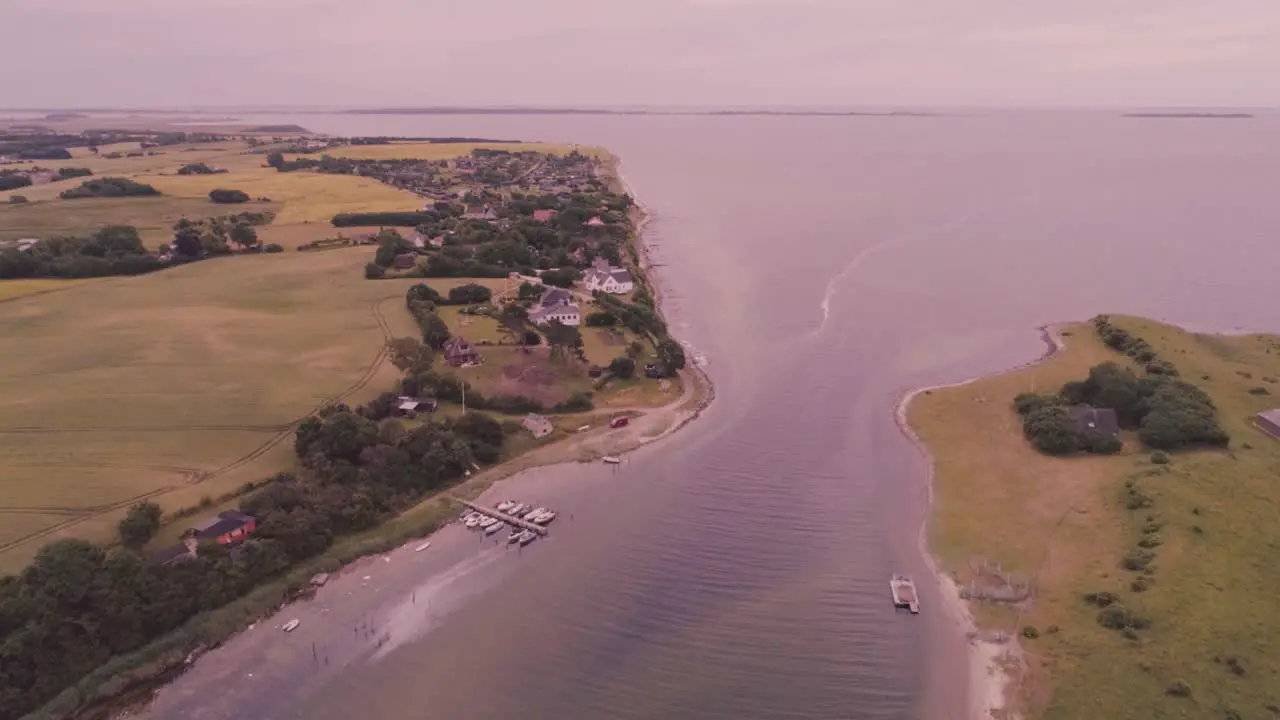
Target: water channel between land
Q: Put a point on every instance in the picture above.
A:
(823, 267)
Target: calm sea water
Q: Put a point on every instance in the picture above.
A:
(823, 267)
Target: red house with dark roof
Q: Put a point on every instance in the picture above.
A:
(231, 527)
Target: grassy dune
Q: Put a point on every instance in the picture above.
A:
(171, 382)
(12, 289)
(1065, 522)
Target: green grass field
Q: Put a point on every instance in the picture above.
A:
(1212, 593)
(153, 216)
(176, 383)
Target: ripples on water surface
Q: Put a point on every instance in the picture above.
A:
(825, 266)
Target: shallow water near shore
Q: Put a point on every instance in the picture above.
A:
(824, 266)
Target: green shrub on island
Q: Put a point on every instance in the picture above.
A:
(109, 187)
(228, 196)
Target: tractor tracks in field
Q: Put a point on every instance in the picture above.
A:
(195, 476)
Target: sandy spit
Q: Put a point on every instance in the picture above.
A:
(995, 659)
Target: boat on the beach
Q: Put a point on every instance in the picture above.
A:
(291, 625)
(611, 459)
(527, 537)
(422, 547)
(494, 528)
(904, 593)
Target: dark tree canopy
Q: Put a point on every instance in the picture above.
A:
(469, 294)
(140, 524)
(228, 196)
(109, 187)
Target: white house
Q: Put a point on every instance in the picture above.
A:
(566, 314)
(615, 281)
(538, 425)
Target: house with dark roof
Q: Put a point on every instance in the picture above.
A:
(555, 297)
(1096, 420)
(459, 351)
(230, 527)
(543, 215)
(608, 279)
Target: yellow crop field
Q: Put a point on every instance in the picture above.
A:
(305, 196)
(176, 385)
(12, 289)
(152, 216)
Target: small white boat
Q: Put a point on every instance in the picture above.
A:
(505, 505)
(486, 521)
(474, 520)
(494, 528)
(546, 517)
(514, 537)
(584, 428)
(904, 593)
(527, 537)
(291, 625)
(611, 459)
(518, 509)
(535, 513)
(422, 547)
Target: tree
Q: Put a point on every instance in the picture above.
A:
(529, 291)
(140, 524)
(670, 356)
(390, 244)
(1053, 431)
(435, 333)
(117, 240)
(196, 169)
(602, 318)
(562, 337)
(187, 242)
(469, 294)
(422, 294)
(514, 321)
(373, 271)
(622, 367)
(564, 277)
(244, 235)
(228, 196)
(409, 355)
(635, 349)
(275, 160)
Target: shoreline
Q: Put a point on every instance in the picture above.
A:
(994, 658)
(654, 424)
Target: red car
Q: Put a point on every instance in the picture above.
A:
(619, 422)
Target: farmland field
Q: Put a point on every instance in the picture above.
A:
(182, 383)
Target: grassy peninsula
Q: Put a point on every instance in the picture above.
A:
(244, 335)
(1133, 581)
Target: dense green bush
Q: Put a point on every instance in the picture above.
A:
(68, 172)
(13, 181)
(109, 187)
(1180, 415)
(1053, 431)
(198, 169)
(228, 196)
(469, 294)
(273, 248)
(1025, 403)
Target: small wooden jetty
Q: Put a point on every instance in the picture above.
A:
(904, 593)
(510, 519)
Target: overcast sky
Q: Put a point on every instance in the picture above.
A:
(136, 53)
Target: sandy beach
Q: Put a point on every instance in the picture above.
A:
(995, 658)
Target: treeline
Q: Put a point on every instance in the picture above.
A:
(77, 605)
(10, 180)
(198, 169)
(1167, 413)
(109, 187)
(382, 219)
(113, 250)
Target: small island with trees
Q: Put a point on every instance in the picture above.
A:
(1115, 502)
